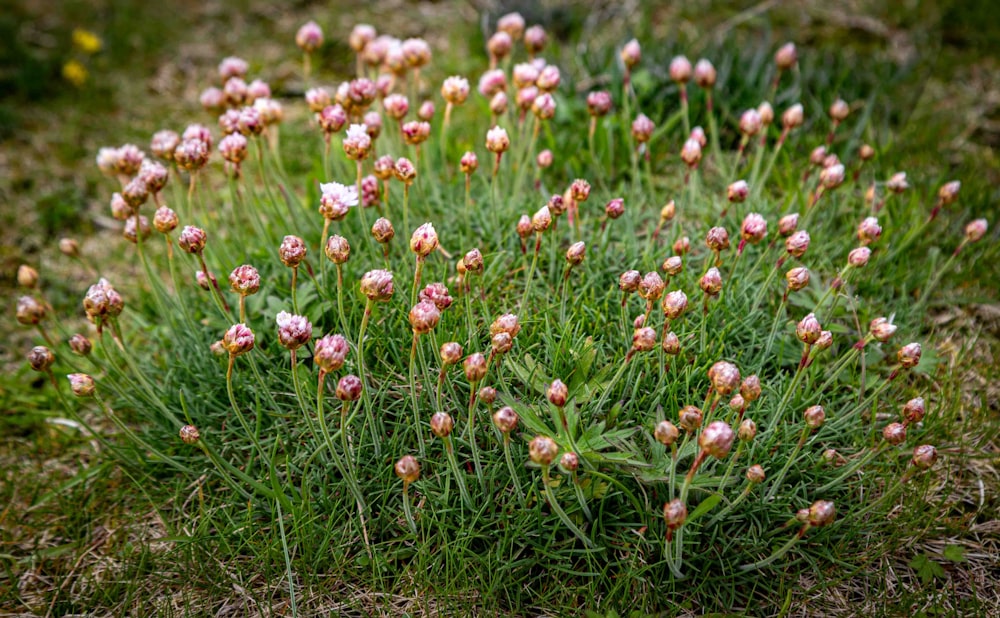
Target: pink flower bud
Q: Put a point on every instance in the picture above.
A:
(497, 140)
(786, 56)
(750, 388)
(451, 353)
(642, 128)
(629, 281)
(631, 54)
(544, 159)
(361, 35)
(793, 117)
(498, 104)
(544, 106)
(330, 353)
(689, 418)
(238, 340)
(914, 410)
(294, 331)
(317, 99)
(416, 132)
(442, 424)
(815, 416)
(808, 329)
(674, 514)
(976, 229)
(704, 74)
(576, 252)
(839, 110)
(475, 367)
(292, 251)
(29, 311)
(909, 355)
(332, 119)
(651, 286)
(881, 329)
(788, 224)
(894, 433)
(499, 45)
(535, 39)
(189, 434)
(542, 450)
(750, 123)
(832, 177)
(716, 439)
(754, 228)
(673, 265)
(192, 239)
(548, 78)
(493, 82)
(524, 226)
(859, 257)
(691, 152)
(309, 37)
(337, 249)
(738, 191)
(798, 278)
(424, 316)
(357, 144)
(455, 90)
(505, 419)
(424, 240)
(671, 344)
(541, 220)
(488, 395)
(821, 513)
(40, 358)
(245, 280)
(666, 433)
(81, 384)
(948, 192)
(825, 340)
(233, 148)
(711, 282)
(797, 243)
(349, 388)
(407, 469)
(473, 262)
(869, 231)
(682, 245)
(404, 171)
(747, 430)
(557, 393)
(924, 456)
(164, 143)
(376, 285)
(644, 339)
(725, 377)
(717, 239)
(599, 103)
(680, 69)
(766, 114)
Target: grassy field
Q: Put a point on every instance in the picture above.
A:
(160, 527)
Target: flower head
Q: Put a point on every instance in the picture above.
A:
(330, 353)
(294, 331)
(239, 339)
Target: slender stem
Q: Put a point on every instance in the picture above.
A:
(457, 471)
(406, 508)
(365, 394)
(471, 427)
(550, 497)
(340, 297)
(295, 276)
(531, 272)
(413, 395)
(418, 269)
(512, 469)
(778, 553)
(788, 464)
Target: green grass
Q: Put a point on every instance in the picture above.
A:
(501, 554)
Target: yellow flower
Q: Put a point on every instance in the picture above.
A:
(75, 73)
(86, 41)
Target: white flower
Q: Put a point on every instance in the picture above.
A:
(336, 194)
(358, 132)
(283, 319)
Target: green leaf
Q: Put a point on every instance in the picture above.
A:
(706, 505)
(926, 568)
(954, 553)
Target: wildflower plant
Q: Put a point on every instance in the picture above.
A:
(567, 417)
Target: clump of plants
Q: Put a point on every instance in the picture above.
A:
(624, 346)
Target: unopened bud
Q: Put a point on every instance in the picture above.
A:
(909, 355)
(475, 367)
(750, 388)
(755, 474)
(717, 239)
(674, 304)
(40, 358)
(349, 388)
(27, 276)
(80, 345)
(666, 433)
(924, 456)
(869, 231)
(798, 278)
(651, 286)
(557, 393)
(788, 224)
(671, 344)
(689, 418)
(576, 252)
(711, 282)
(859, 257)
(673, 265)
(189, 434)
(716, 439)
(674, 514)
(839, 110)
(442, 424)
(337, 249)
(644, 339)
(738, 191)
(747, 430)
(682, 245)
(815, 416)
(976, 229)
(724, 376)
(81, 384)
(569, 462)
(680, 69)
(704, 74)
(487, 395)
(542, 450)
(808, 329)
(786, 56)
(894, 433)
(407, 469)
(505, 419)
(881, 329)
(821, 513)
